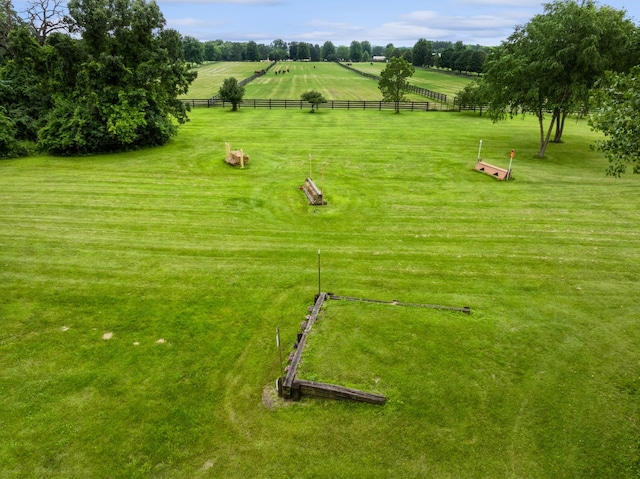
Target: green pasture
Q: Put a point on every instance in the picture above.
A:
(431, 79)
(140, 295)
(211, 76)
(328, 78)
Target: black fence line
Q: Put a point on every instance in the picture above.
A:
(277, 104)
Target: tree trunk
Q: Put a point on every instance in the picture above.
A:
(560, 126)
(544, 139)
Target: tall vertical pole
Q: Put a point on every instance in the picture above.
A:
(513, 153)
(322, 189)
(319, 290)
(280, 352)
(480, 148)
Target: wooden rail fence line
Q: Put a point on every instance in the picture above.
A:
(464, 309)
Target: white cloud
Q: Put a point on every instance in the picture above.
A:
(227, 2)
(194, 23)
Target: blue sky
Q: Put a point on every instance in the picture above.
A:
(401, 22)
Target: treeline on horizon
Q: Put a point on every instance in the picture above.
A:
(442, 54)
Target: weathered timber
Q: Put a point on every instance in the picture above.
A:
(491, 170)
(236, 157)
(333, 391)
(464, 309)
(313, 194)
(287, 390)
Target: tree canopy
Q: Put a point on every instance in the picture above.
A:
(313, 97)
(393, 80)
(551, 63)
(232, 92)
(616, 113)
(115, 87)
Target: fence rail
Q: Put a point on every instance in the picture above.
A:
(275, 104)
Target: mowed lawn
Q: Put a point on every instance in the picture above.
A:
(289, 80)
(435, 80)
(140, 295)
(212, 75)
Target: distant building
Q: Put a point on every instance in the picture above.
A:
(379, 58)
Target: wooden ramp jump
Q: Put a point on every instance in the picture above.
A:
(491, 170)
(313, 193)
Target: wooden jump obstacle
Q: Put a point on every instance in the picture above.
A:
(236, 157)
(313, 193)
(293, 388)
(492, 170)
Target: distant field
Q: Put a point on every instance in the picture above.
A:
(330, 79)
(211, 76)
(435, 80)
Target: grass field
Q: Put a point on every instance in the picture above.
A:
(190, 265)
(431, 79)
(211, 75)
(330, 79)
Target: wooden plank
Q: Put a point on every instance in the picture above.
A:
(293, 367)
(333, 391)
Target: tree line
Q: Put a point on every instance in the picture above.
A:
(441, 54)
(100, 76)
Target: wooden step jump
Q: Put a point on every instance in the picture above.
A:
(492, 170)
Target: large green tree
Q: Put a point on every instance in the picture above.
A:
(422, 53)
(355, 51)
(328, 51)
(232, 92)
(313, 97)
(393, 80)
(616, 113)
(251, 52)
(549, 65)
(193, 49)
(124, 93)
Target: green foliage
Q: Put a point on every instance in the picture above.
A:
(422, 53)
(551, 63)
(122, 89)
(193, 49)
(616, 102)
(232, 92)
(394, 80)
(9, 146)
(23, 90)
(313, 97)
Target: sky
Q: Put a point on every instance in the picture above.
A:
(401, 22)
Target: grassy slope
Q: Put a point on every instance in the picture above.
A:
(211, 75)
(333, 81)
(540, 381)
(448, 83)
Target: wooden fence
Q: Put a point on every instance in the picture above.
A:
(275, 104)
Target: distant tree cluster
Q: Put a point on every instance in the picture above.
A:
(446, 55)
(110, 82)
